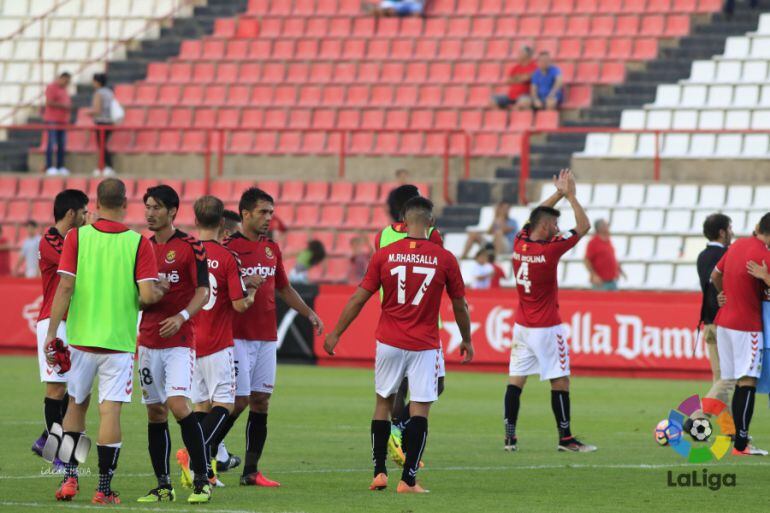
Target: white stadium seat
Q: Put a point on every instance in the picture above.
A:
(729, 145)
(685, 119)
(605, 195)
(455, 242)
(697, 220)
(720, 96)
(702, 71)
(746, 96)
(755, 72)
(658, 195)
(624, 220)
(631, 195)
(641, 247)
(762, 197)
(703, 145)
(620, 243)
(520, 214)
(597, 144)
(675, 145)
(650, 220)
(635, 276)
(584, 191)
(737, 47)
(756, 145)
(623, 145)
(659, 276)
(678, 221)
(667, 95)
(594, 214)
(692, 248)
(632, 119)
(685, 195)
(686, 277)
(737, 119)
(576, 275)
(659, 119)
(739, 196)
(764, 24)
(486, 217)
(738, 218)
(712, 196)
(668, 248)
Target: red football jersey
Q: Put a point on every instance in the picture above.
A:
(535, 265)
(50, 251)
(743, 310)
(412, 273)
(214, 328)
(261, 257)
(182, 261)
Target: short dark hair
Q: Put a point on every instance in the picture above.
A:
(527, 49)
(317, 252)
(538, 213)
(111, 193)
(424, 205)
(209, 211)
(251, 197)
(100, 78)
(398, 198)
(764, 224)
(713, 224)
(65, 74)
(31, 222)
(66, 200)
(544, 52)
(163, 194)
(231, 215)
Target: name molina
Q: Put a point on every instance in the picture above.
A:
(704, 479)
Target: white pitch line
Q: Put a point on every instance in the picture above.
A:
(566, 466)
(124, 507)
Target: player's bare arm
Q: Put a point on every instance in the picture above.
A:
(560, 182)
(254, 282)
(169, 326)
(566, 185)
(758, 271)
(293, 299)
(61, 301)
(241, 305)
(348, 315)
(463, 319)
(151, 291)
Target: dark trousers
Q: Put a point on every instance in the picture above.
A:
(56, 138)
(106, 141)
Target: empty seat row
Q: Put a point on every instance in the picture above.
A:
(329, 95)
(693, 118)
(647, 248)
(750, 146)
(660, 195)
(336, 242)
(731, 71)
(60, 50)
(466, 7)
(696, 96)
(407, 48)
(75, 27)
(659, 25)
(86, 8)
(412, 72)
(329, 118)
(653, 276)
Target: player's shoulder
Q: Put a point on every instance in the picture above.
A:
(193, 242)
(53, 239)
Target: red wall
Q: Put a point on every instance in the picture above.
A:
(651, 334)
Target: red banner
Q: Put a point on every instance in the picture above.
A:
(651, 334)
(20, 301)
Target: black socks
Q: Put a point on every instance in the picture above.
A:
(211, 424)
(416, 435)
(380, 435)
(108, 462)
(159, 446)
(192, 436)
(54, 410)
(743, 409)
(256, 434)
(512, 403)
(71, 466)
(222, 433)
(560, 407)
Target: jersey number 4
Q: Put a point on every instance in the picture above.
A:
(401, 270)
(522, 277)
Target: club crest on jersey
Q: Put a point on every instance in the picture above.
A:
(524, 247)
(170, 257)
(269, 252)
(412, 245)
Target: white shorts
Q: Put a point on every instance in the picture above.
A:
(392, 365)
(165, 372)
(740, 353)
(255, 366)
(441, 363)
(541, 351)
(115, 372)
(47, 373)
(214, 377)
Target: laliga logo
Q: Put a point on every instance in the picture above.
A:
(670, 431)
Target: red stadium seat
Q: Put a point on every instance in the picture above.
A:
(296, 241)
(307, 215)
(357, 217)
(293, 191)
(386, 143)
(337, 270)
(381, 95)
(316, 192)
(366, 192)
(342, 240)
(331, 215)
(194, 189)
(396, 119)
(81, 183)
(51, 187)
(379, 217)
(135, 213)
(28, 188)
(410, 144)
(341, 192)
(222, 189)
(349, 119)
(42, 212)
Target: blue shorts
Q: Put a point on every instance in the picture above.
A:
(403, 8)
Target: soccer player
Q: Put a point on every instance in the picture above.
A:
(167, 349)
(413, 273)
(739, 325)
(214, 377)
(69, 211)
(106, 273)
(539, 346)
(394, 232)
(256, 331)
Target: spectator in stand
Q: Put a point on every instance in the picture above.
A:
(718, 229)
(394, 7)
(30, 252)
(481, 271)
(600, 259)
(499, 273)
(547, 87)
(501, 232)
(314, 254)
(360, 254)
(519, 81)
(5, 256)
(101, 112)
(232, 223)
(58, 108)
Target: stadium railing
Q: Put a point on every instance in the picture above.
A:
(526, 141)
(215, 137)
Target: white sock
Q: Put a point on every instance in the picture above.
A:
(222, 454)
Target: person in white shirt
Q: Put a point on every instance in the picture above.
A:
(481, 272)
(29, 255)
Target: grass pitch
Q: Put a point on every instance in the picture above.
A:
(319, 448)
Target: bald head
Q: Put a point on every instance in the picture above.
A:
(111, 194)
(209, 211)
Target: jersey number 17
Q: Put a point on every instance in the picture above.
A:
(401, 271)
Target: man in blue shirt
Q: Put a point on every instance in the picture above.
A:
(547, 90)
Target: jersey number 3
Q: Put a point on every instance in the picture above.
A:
(522, 277)
(428, 272)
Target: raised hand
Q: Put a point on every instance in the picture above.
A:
(561, 182)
